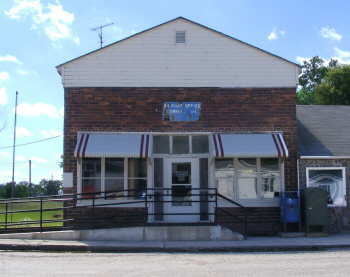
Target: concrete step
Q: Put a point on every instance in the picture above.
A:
(149, 233)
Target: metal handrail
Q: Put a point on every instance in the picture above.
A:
(149, 195)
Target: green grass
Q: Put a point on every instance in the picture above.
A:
(25, 215)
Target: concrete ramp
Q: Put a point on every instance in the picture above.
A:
(150, 233)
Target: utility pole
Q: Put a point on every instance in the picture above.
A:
(14, 153)
(100, 34)
(30, 178)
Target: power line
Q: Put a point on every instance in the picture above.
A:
(31, 142)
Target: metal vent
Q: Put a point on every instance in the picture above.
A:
(180, 37)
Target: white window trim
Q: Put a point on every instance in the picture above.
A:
(259, 201)
(329, 168)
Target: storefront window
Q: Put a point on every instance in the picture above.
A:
(200, 144)
(91, 176)
(137, 178)
(247, 179)
(332, 180)
(270, 178)
(114, 177)
(112, 180)
(181, 145)
(224, 173)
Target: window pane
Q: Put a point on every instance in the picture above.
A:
(161, 145)
(114, 168)
(331, 181)
(224, 168)
(138, 187)
(246, 167)
(137, 168)
(158, 172)
(270, 178)
(224, 173)
(247, 179)
(91, 167)
(247, 188)
(90, 186)
(181, 173)
(181, 145)
(116, 186)
(200, 144)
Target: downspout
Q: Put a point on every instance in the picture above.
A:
(298, 173)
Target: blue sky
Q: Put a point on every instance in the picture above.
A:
(38, 35)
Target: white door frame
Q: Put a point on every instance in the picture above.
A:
(194, 183)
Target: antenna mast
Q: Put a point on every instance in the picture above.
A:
(100, 34)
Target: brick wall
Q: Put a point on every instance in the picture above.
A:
(338, 217)
(223, 110)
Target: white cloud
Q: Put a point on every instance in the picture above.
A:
(21, 158)
(3, 96)
(5, 154)
(52, 132)
(22, 71)
(4, 76)
(55, 133)
(9, 58)
(46, 134)
(56, 155)
(330, 34)
(36, 159)
(26, 109)
(77, 40)
(301, 60)
(52, 18)
(22, 132)
(342, 56)
(273, 35)
(62, 111)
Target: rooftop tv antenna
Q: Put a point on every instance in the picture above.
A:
(100, 34)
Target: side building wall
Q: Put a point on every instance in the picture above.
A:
(338, 217)
(223, 110)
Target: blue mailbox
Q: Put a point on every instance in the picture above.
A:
(290, 209)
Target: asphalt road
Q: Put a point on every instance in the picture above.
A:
(330, 263)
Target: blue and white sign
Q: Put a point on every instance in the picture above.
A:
(185, 111)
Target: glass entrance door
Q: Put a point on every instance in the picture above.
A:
(182, 178)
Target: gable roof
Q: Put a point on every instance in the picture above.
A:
(180, 17)
(323, 130)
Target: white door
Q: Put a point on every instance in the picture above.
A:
(182, 178)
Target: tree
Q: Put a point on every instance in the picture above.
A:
(50, 187)
(313, 74)
(335, 88)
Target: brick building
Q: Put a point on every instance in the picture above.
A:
(175, 113)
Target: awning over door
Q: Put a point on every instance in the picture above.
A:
(112, 146)
(249, 145)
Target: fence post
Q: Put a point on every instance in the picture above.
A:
(6, 218)
(146, 208)
(245, 224)
(41, 214)
(93, 211)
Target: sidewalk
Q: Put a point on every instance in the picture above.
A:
(253, 244)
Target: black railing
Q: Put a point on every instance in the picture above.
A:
(160, 205)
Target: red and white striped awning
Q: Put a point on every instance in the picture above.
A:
(249, 145)
(95, 145)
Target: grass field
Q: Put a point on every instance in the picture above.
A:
(25, 215)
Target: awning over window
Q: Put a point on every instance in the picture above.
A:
(249, 145)
(112, 146)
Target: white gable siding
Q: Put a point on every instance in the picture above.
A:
(152, 59)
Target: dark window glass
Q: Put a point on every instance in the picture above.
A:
(161, 145)
(200, 144)
(181, 145)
